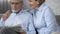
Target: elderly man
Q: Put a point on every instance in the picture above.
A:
(17, 16)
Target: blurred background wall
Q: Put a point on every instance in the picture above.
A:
(55, 5)
(4, 5)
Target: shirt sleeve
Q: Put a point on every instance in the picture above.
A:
(1, 22)
(50, 22)
(30, 28)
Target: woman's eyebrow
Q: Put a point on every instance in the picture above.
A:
(35, 0)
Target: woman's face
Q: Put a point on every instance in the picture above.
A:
(33, 3)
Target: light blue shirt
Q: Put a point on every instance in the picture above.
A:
(44, 20)
(23, 19)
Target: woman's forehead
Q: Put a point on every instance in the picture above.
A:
(16, 0)
(31, 0)
(35, 0)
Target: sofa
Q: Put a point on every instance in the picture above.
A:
(56, 33)
(58, 19)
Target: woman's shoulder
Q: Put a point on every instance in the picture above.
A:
(6, 15)
(26, 12)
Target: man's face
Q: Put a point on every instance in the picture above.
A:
(16, 5)
(33, 3)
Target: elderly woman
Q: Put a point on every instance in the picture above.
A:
(44, 19)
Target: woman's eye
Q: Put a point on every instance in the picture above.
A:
(35, 0)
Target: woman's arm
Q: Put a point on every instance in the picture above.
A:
(6, 15)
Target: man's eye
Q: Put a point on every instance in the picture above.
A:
(14, 3)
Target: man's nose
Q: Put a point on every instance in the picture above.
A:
(14, 5)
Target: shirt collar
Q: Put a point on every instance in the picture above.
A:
(41, 7)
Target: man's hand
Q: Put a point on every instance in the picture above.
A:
(6, 15)
(22, 32)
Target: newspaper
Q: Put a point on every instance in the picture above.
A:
(14, 29)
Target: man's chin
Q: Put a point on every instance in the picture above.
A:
(15, 11)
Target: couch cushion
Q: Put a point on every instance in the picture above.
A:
(58, 19)
(56, 33)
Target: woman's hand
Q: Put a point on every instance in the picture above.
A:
(22, 32)
(6, 15)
